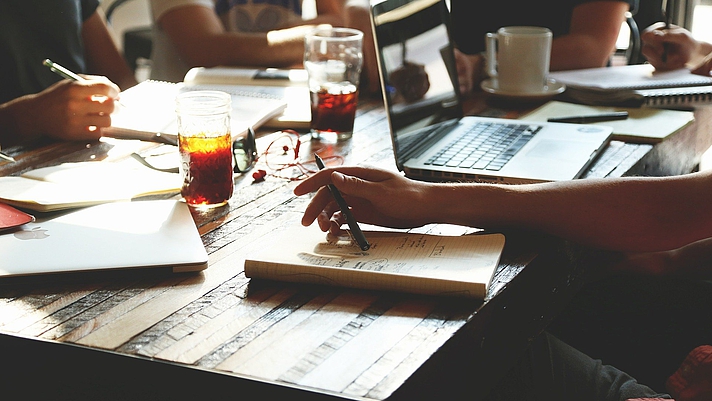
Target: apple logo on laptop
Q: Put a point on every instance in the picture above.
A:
(35, 233)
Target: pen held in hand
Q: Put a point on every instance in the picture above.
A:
(5, 157)
(353, 225)
(65, 73)
(666, 11)
(593, 118)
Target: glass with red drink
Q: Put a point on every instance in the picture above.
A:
(333, 59)
(205, 146)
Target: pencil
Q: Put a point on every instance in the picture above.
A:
(356, 232)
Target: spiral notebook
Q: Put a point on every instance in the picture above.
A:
(148, 109)
(636, 86)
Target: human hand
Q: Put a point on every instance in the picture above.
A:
(375, 196)
(71, 110)
(469, 71)
(704, 68)
(681, 46)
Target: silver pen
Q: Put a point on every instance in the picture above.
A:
(7, 157)
(65, 73)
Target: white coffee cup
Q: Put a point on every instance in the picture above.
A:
(518, 58)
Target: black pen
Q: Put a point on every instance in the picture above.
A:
(593, 118)
(356, 232)
(667, 16)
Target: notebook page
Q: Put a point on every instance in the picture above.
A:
(400, 261)
(641, 76)
(149, 108)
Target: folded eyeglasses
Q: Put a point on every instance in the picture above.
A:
(244, 154)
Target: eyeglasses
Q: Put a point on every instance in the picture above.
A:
(244, 152)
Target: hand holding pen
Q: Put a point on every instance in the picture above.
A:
(355, 230)
(666, 10)
(65, 73)
(67, 110)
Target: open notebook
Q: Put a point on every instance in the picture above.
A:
(460, 266)
(636, 85)
(121, 235)
(149, 108)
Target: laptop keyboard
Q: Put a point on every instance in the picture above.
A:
(487, 146)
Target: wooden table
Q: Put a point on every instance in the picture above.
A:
(158, 335)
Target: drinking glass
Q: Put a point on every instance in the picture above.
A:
(333, 59)
(205, 147)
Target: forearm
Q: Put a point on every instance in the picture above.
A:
(201, 40)
(637, 215)
(102, 55)
(572, 52)
(16, 121)
(272, 49)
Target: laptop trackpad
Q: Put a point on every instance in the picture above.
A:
(563, 150)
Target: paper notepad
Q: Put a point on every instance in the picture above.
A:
(643, 125)
(149, 108)
(289, 85)
(407, 262)
(71, 185)
(636, 86)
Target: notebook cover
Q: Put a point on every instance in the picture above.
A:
(11, 217)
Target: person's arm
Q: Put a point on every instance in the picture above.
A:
(201, 40)
(102, 55)
(628, 214)
(470, 70)
(592, 36)
(67, 110)
(692, 260)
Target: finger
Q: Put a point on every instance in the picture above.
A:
(91, 88)
(704, 68)
(97, 120)
(323, 177)
(318, 204)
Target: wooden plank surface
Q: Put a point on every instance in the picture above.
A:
(358, 344)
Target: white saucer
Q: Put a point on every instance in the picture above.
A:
(552, 88)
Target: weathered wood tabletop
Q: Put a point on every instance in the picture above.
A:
(158, 335)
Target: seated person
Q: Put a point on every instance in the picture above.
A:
(209, 33)
(36, 102)
(657, 224)
(680, 48)
(585, 32)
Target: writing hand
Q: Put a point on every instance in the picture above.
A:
(375, 196)
(681, 46)
(68, 110)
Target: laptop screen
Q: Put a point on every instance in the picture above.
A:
(417, 68)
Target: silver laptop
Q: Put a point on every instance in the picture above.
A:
(122, 235)
(431, 138)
